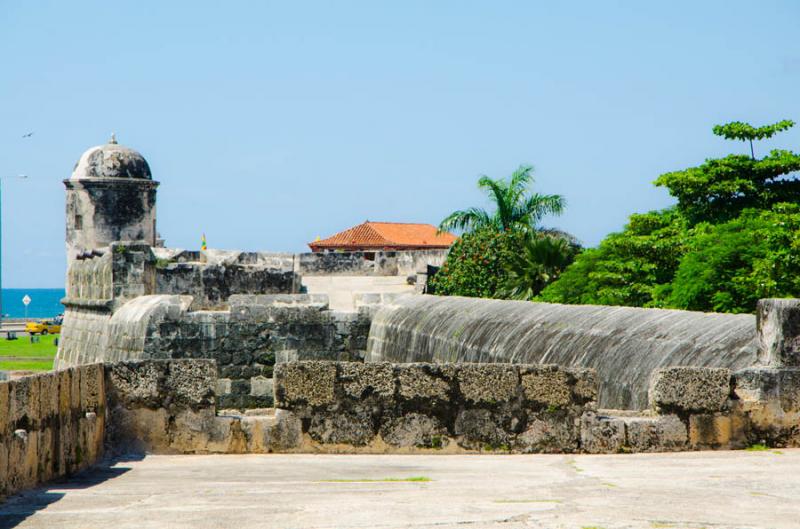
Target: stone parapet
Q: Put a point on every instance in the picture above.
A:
(383, 406)
(51, 426)
(778, 324)
(690, 389)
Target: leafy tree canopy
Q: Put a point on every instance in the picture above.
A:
(731, 239)
(738, 130)
(477, 264)
(730, 266)
(631, 268)
(720, 189)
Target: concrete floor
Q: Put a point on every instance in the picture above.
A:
(713, 490)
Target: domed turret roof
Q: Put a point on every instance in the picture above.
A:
(112, 161)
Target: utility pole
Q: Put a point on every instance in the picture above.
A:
(22, 176)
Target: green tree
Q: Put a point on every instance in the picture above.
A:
(476, 265)
(737, 130)
(634, 267)
(541, 260)
(719, 189)
(515, 209)
(729, 266)
(730, 239)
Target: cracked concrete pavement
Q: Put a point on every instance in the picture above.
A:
(713, 490)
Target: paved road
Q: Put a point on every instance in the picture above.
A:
(714, 490)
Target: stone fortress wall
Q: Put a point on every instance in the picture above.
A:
(55, 424)
(245, 310)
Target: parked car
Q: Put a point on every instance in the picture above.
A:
(43, 327)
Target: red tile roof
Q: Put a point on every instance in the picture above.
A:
(386, 235)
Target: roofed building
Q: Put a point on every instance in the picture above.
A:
(376, 236)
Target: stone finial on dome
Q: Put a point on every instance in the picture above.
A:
(113, 139)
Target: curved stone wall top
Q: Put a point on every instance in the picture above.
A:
(623, 344)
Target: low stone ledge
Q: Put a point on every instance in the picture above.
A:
(161, 406)
(768, 401)
(690, 389)
(304, 383)
(662, 433)
(602, 434)
(428, 406)
(162, 383)
(97, 304)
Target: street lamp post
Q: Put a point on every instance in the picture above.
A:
(1, 242)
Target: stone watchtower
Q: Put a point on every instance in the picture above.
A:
(111, 196)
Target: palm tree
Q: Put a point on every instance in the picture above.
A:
(542, 259)
(515, 208)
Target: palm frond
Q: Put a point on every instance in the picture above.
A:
(465, 219)
(536, 206)
(498, 193)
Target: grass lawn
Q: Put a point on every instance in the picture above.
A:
(26, 365)
(40, 354)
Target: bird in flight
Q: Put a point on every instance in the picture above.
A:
(28, 135)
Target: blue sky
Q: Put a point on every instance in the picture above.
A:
(269, 123)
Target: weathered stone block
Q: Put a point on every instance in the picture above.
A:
(67, 441)
(287, 432)
(64, 392)
(87, 430)
(655, 434)
(192, 382)
(478, 428)
(223, 386)
(25, 403)
(46, 456)
(584, 385)
(48, 401)
(769, 398)
(256, 433)
(4, 408)
(547, 386)
(361, 380)
(690, 389)
(226, 436)
(261, 386)
(602, 435)
(549, 433)
(139, 429)
(488, 383)
(352, 428)
(75, 388)
(92, 387)
(778, 324)
(764, 384)
(309, 383)
(4, 442)
(414, 430)
(22, 468)
(715, 431)
(424, 381)
(135, 382)
(190, 429)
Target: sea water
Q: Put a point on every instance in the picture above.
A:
(45, 302)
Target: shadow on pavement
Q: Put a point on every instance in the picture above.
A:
(18, 508)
